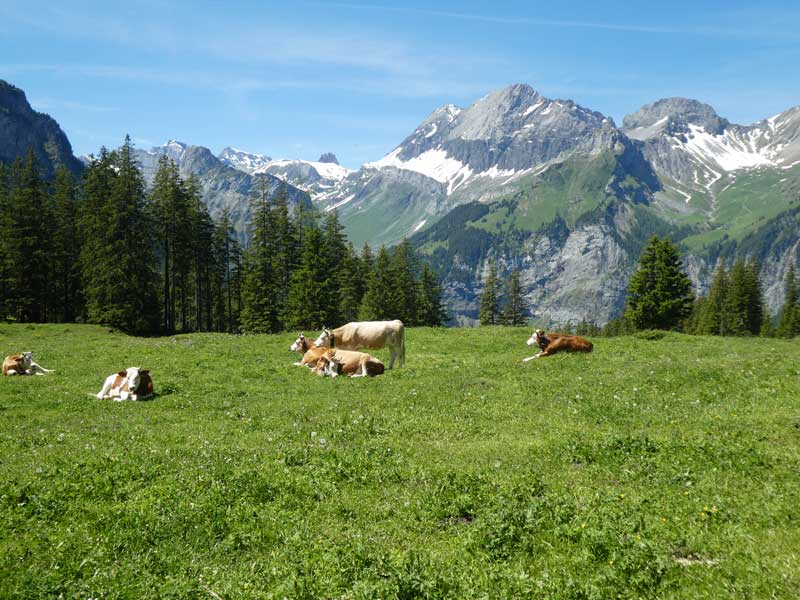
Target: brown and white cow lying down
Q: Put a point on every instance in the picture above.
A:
(368, 334)
(356, 364)
(550, 343)
(132, 384)
(310, 352)
(23, 364)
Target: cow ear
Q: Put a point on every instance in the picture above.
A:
(122, 373)
(145, 371)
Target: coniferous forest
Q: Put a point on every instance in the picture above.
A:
(105, 249)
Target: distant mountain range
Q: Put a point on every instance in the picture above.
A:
(552, 188)
(223, 186)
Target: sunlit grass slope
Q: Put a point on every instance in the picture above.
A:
(650, 468)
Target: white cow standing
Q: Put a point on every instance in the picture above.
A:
(368, 334)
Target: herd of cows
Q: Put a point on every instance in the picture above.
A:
(335, 352)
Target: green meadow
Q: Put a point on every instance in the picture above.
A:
(652, 468)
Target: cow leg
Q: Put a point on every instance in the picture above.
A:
(106, 386)
(363, 371)
(532, 357)
(393, 353)
(11, 372)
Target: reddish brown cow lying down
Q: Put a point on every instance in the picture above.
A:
(23, 364)
(550, 343)
(311, 353)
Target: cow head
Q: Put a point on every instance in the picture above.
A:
(27, 359)
(133, 375)
(324, 338)
(299, 344)
(537, 338)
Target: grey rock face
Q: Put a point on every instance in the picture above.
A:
(328, 157)
(23, 129)
(222, 186)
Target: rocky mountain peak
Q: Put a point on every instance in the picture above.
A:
(328, 157)
(244, 161)
(673, 115)
(23, 129)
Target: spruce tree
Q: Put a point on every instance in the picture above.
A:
(404, 283)
(353, 284)
(378, 303)
(515, 311)
(334, 253)
(309, 293)
(258, 286)
(431, 311)
(659, 293)
(5, 238)
(29, 242)
(165, 200)
(490, 304)
(66, 247)
(737, 299)
(712, 319)
(789, 319)
(755, 298)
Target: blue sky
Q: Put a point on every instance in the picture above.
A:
(295, 79)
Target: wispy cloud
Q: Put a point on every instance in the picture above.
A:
(567, 23)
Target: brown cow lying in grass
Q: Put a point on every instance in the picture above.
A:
(356, 364)
(23, 364)
(132, 384)
(550, 343)
(310, 352)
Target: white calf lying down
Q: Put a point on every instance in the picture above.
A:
(23, 364)
(356, 364)
(131, 384)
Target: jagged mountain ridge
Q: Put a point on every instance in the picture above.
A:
(22, 129)
(223, 187)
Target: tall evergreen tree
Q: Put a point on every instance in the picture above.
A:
(334, 253)
(755, 298)
(713, 315)
(404, 283)
(166, 202)
(353, 284)
(29, 242)
(258, 288)
(736, 300)
(6, 265)
(490, 302)
(515, 311)
(118, 266)
(66, 247)
(311, 285)
(789, 316)
(659, 293)
(431, 311)
(378, 303)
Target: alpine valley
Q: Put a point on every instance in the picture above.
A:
(554, 189)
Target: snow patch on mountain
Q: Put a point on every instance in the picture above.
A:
(728, 151)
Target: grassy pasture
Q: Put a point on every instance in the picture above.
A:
(662, 468)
